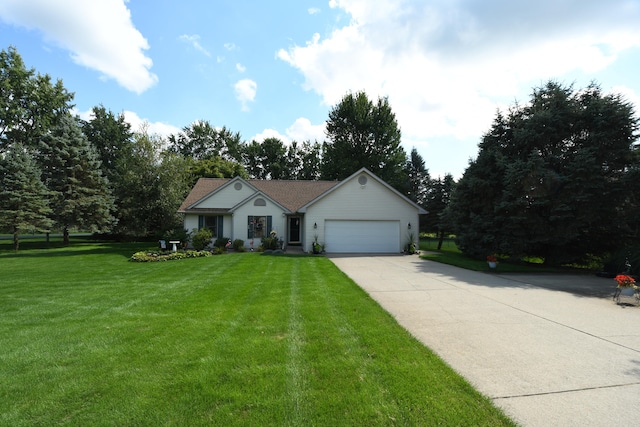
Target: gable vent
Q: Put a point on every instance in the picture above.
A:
(237, 186)
(259, 202)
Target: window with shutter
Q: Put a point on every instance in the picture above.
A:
(258, 226)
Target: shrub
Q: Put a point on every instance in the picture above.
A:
(271, 243)
(177, 234)
(201, 239)
(221, 242)
(238, 245)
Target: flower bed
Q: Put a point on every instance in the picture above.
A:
(164, 256)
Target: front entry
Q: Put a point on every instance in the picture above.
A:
(294, 230)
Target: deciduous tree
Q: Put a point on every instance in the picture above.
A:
(362, 133)
(30, 104)
(111, 135)
(200, 140)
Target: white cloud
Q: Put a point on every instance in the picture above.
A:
(194, 40)
(241, 68)
(313, 10)
(301, 130)
(153, 128)
(99, 35)
(246, 92)
(628, 95)
(270, 133)
(230, 46)
(447, 66)
(137, 123)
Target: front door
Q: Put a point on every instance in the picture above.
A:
(294, 229)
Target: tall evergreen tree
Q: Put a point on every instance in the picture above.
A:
(549, 180)
(24, 199)
(364, 134)
(437, 201)
(71, 170)
(419, 178)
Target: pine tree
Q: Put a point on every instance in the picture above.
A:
(551, 179)
(71, 170)
(23, 196)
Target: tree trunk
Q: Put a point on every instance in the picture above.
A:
(65, 236)
(16, 241)
(440, 239)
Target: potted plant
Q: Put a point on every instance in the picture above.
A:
(412, 247)
(626, 286)
(492, 260)
(316, 247)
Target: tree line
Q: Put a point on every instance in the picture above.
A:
(557, 177)
(60, 172)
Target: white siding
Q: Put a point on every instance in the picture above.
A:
(190, 222)
(241, 216)
(226, 197)
(353, 201)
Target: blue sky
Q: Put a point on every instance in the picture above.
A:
(275, 68)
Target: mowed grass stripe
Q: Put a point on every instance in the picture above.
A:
(238, 339)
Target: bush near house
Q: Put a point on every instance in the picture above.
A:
(201, 239)
(221, 242)
(238, 245)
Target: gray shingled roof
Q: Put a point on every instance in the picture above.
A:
(290, 194)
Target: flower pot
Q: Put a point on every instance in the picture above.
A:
(492, 264)
(627, 292)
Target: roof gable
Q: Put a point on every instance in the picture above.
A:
(352, 177)
(290, 194)
(254, 196)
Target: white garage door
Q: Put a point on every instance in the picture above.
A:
(362, 236)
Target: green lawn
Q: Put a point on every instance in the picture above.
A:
(450, 254)
(89, 338)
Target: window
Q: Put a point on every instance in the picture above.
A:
(213, 223)
(258, 226)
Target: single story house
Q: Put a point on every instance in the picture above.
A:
(361, 214)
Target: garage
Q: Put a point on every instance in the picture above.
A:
(351, 236)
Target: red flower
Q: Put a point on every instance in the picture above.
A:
(492, 258)
(625, 281)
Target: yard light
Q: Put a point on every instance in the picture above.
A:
(315, 225)
(409, 226)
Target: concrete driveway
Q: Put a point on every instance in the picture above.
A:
(550, 350)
